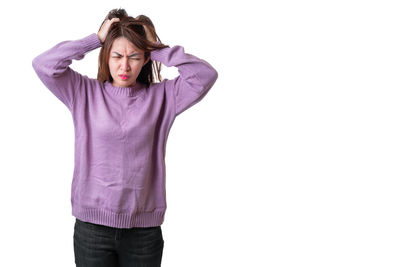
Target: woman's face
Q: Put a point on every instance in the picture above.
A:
(125, 62)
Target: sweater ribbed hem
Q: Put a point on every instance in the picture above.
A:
(91, 42)
(120, 220)
(159, 54)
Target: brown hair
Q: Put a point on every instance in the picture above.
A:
(133, 30)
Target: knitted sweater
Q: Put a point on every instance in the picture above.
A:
(121, 132)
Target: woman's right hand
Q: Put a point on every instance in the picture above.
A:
(105, 27)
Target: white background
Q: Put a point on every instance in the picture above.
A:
(292, 159)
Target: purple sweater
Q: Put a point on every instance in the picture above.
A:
(121, 132)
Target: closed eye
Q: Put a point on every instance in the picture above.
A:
(130, 58)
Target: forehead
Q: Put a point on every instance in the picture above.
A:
(123, 45)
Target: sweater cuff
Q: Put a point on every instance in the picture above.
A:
(91, 42)
(158, 54)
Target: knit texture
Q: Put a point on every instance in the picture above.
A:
(121, 132)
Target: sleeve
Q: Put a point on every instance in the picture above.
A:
(196, 76)
(52, 67)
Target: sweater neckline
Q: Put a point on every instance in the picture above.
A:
(130, 91)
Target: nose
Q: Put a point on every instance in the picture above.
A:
(125, 64)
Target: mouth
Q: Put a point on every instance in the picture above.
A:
(123, 77)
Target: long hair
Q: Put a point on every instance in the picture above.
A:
(132, 29)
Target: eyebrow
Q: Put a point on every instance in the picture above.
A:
(134, 54)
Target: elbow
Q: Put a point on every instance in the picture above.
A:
(207, 77)
(42, 67)
(36, 64)
(202, 80)
(212, 78)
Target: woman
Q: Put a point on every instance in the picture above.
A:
(121, 121)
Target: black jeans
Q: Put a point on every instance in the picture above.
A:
(102, 246)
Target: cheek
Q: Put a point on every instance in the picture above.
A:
(137, 66)
(111, 66)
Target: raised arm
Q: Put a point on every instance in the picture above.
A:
(196, 76)
(52, 66)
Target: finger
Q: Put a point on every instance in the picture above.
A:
(112, 20)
